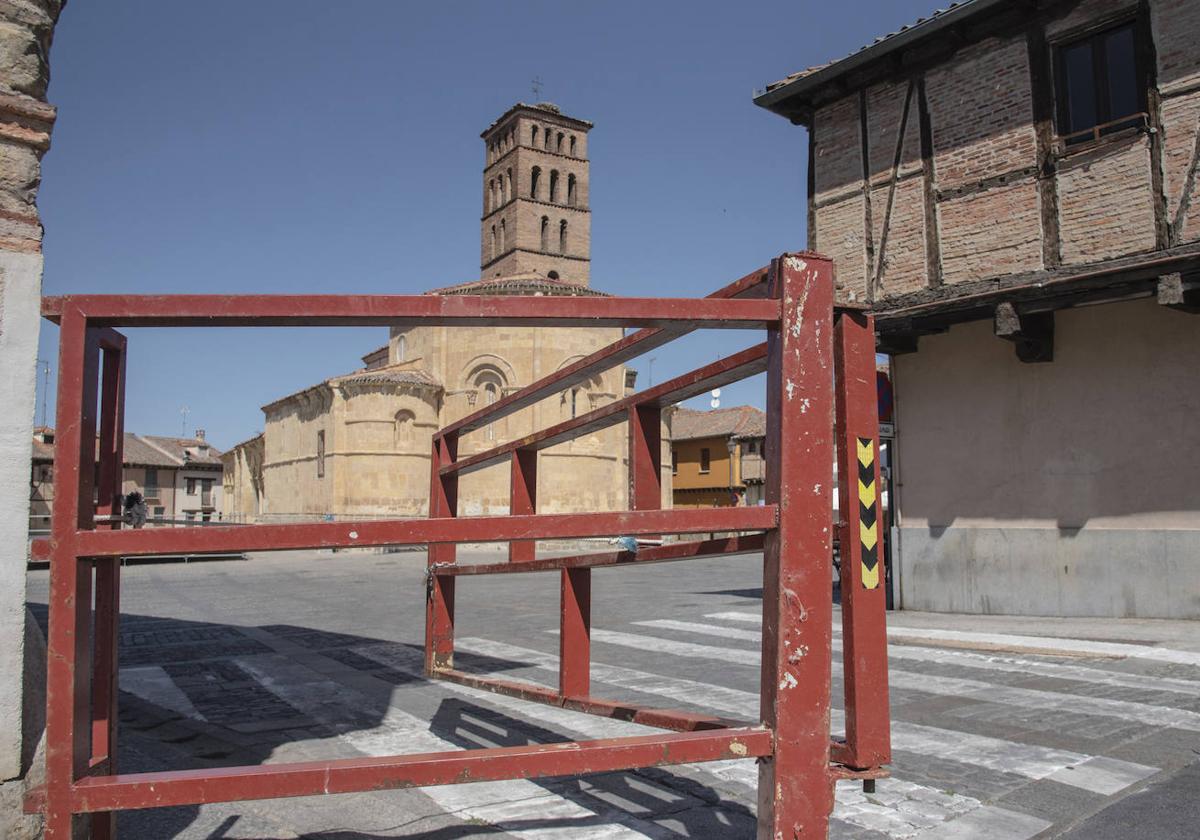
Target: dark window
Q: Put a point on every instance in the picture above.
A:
(321, 454)
(562, 237)
(533, 182)
(151, 482)
(191, 486)
(545, 233)
(1100, 89)
(571, 190)
(705, 461)
(674, 462)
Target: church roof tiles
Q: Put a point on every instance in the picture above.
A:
(519, 284)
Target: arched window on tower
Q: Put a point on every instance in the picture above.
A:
(533, 135)
(503, 238)
(492, 254)
(571, 199)
(508, 186)
(562, 237)
(545, 233)
(401, 348)
(572, 145)
(558, 147)
(535, 175)
(553, 186)
(546, 139)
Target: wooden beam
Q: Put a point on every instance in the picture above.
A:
(1032, 334)
(1147, 61)
(1042, 90)
(933, 237)
(868, 223)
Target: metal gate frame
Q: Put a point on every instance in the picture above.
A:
(820, 366)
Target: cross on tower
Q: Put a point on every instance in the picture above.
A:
(536, 84)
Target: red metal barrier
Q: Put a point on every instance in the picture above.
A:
(820, 365)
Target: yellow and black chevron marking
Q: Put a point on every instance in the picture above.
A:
(868, 513)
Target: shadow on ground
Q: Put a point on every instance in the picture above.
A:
(188, 701)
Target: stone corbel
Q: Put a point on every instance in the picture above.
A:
(1031, 333)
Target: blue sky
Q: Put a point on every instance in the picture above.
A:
(302, 146)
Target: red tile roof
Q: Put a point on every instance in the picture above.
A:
(741, 421)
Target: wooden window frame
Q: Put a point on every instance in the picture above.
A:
(1106, 124)
(705, 460)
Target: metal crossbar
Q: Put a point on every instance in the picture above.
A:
(819, 363)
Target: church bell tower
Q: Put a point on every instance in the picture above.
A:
(535, 196)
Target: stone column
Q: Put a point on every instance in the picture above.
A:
(26, 28)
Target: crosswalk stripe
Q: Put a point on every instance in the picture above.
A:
(968, 659)
(1028, 760)
(988, 823)
(1145, 713)
(508, 805)
(899, 808)
(1049, 644)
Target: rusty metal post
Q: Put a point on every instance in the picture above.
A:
(864, 634)
(439, 592)
(68, 643)
(108, 572)
(575, 636)
(795, 793)
(645, 457)
(523, 500)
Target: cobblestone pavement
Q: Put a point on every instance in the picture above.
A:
(1004, 729)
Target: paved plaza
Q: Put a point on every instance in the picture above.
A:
(1004, 729)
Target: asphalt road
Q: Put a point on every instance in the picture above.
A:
(1091, 729)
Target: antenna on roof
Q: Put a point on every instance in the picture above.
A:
(536, 86)
(184, 411)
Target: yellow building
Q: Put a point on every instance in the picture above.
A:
(358, 445)
(717, 457)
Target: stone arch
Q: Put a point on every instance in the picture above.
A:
(562, 236)
(572, 194)
(487, 377)
(545, 234)
(553, 186)
(404, 433)
(535, 176)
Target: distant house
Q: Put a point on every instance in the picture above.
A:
(717, 457)
(180, 478)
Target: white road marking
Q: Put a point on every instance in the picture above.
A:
(1103, 775)
(513, 806)
(988, 823)
(993, 661)
(1146, 713)
(900, 809)
(1027, 760)
(1047, 643)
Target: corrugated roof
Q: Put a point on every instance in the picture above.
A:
(737, 421)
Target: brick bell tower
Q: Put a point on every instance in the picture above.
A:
(535, 196)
